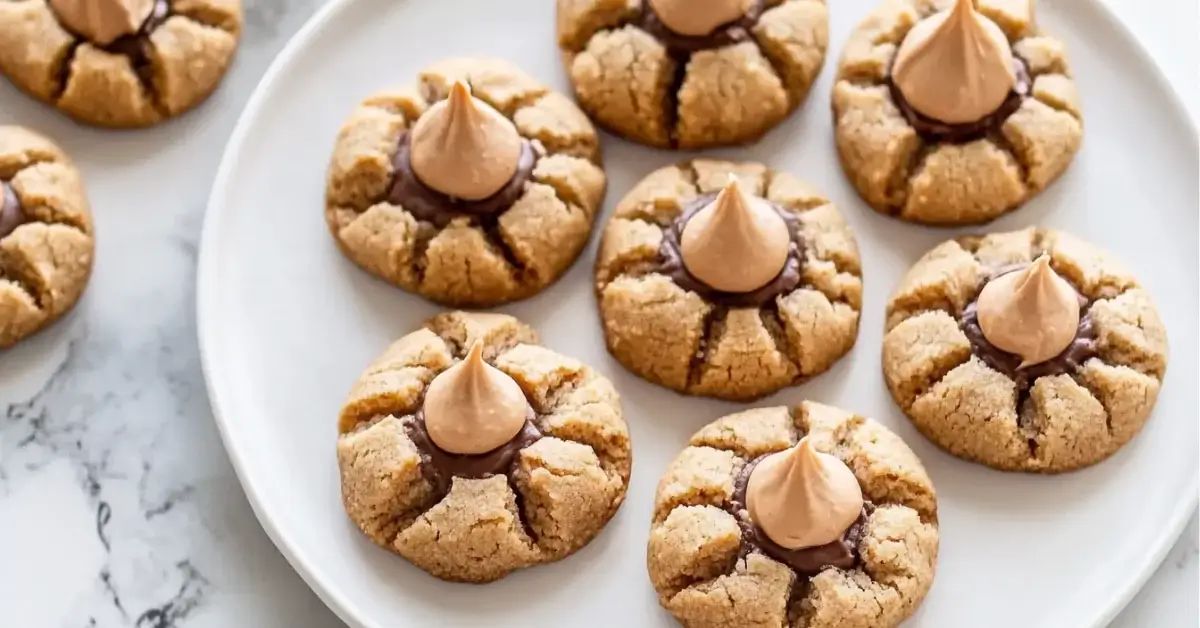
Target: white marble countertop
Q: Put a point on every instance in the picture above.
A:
(118, 506)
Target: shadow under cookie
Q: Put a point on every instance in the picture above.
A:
(537, 498)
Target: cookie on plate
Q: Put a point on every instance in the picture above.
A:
(475, 187)
(1025, 351)
(473, 452)
(692, 74)
(727, 280)
(809, 517)
(947, 114)
(119, 63)
(46, 245)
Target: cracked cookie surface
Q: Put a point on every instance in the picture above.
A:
(170, 67)
(46, 242)
(684, 341)
(469, 262)
(634, 84)
(900, 172)
(1047, 424)
(695, 556)
(555, 497)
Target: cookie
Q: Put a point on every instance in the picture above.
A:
(399, 211)
(910, 165)
(552, 478)
(119, 63)
(668, 326)
(46, 242)
(671, 73)
(713, 565)
(979, 401)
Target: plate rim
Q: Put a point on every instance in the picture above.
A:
(207, 288)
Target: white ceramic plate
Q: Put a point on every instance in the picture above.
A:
(286, 324)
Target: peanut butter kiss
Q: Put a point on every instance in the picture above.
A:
(955, 66)
(696, 18)
(11, 215)
(1032, 313)
(473, 407)
(738, 243)
(464, 148)
(103, 21)
(802, 498)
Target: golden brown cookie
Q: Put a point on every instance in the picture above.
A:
(646, 82)
(977, 402)
(919, 170)
(466, 254)
(476, 518)
(46, 245)
(672, 330)
(169, 63)
(705, 555)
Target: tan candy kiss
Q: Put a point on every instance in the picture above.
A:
(464, 148)
(1032, 313)
(803, 498)
(738, 243)
(473, 407)
(103, 21)
(955, 66)
(697, 18)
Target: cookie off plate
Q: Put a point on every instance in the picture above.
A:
(287, 323)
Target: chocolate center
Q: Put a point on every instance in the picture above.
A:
(681, 46)
(11, 215)
(429, 205)
(136, 46)
(1081, 349)
(439, 466)
(809, 561)
(672, 260)
(937, 131)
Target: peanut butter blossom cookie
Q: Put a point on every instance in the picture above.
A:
(954, 116)
(728, 280)
(46, 245)
(811, 517)
(1025, 351)
(692, 73)
(476, 187)
(119, 63)
(473, 452)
